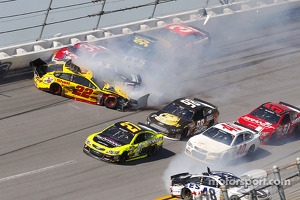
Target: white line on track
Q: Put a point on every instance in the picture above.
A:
(38, 170)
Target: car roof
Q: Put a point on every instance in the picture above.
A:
(199, 104)
(129, 126)
(276, 107)
(232, 128)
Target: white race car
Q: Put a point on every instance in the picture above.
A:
(223, 142)
(208, 186)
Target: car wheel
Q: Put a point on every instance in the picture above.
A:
(184, 133)
(55, 89)
(110, 102)
(251, 151)
(296, 132)
(152, 150)
(186, 194)
(123, 157)
(211, 123)
(272, 139)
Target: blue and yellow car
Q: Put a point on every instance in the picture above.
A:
(69, 80)
(123, 141)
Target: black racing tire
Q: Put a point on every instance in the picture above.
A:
(272, 139)
(211, 123)
(184, 133)
(186, 194)
(123, 157)
(296, 132)
(251, 151)
(152, 150)
(55, 89)
(111, 102)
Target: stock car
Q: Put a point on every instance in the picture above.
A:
(223, 142)
(274, 121)
(123, 141)
(104, 61)
(183, 118)
(208, 185)
(69, 80)
(180, 36)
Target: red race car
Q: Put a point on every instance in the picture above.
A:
(274, 121)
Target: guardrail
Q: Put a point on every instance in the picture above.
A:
(15, 59)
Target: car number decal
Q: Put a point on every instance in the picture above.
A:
(141, 41)
(231, 127)
(88, 47)
(131, 127)
(204, 191)
(83, 91)
(190, 102)
(241, 149)
(181, 29)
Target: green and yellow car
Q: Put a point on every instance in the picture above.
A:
(123, 141)
(69, 80)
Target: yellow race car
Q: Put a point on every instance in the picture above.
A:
(69, 80)
(123, 141)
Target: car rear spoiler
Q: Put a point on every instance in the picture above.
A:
(256, 131)
(205, 102)
(39, 67)
(148, 127)
(290, 106)
(181, 176)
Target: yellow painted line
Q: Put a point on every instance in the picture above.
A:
(168, 197)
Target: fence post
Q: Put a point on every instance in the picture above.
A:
(100, 14)
(298, 165)
(278, 182)
(45, 20)
(224, 192)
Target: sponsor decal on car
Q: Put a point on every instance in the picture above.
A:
(48, 80)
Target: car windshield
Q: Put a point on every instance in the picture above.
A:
(118, 134)
(219, 135)
(266, 114)
(179, 111)
(71, 66)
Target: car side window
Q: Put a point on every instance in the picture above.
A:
(207, 181)
(198, 115)
(286, 119)
(81, 81)
(293, 115)
(140, 138)
(239, 139)
(64, 76)
(248, 136)
(148, 136)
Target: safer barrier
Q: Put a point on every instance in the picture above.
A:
(15, 59)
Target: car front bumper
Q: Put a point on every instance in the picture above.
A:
(98, 155)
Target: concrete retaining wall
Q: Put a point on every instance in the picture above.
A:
(15, 59)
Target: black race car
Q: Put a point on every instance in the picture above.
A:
(183, 118)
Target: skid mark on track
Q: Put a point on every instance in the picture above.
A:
(37, 171)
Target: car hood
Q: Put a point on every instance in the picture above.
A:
(169, 119)
(257, 123)
(116, 89)
(207, 144)
(106, 141)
